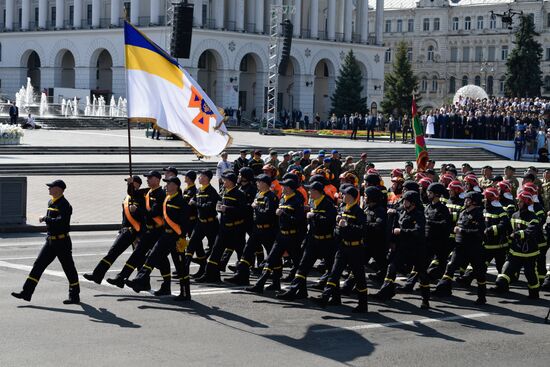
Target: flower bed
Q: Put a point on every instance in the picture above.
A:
(10, 134)
(328, 133)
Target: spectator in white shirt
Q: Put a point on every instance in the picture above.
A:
(222, 166)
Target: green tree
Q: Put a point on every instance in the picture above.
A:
(347, 95)
(523, 76)
(400, 84)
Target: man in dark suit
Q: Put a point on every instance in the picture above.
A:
(14, 114)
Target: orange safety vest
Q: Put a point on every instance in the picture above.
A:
(277, 188)
(135, 224)
(330, 191)
(176, 227)
(393, 198)
(303, 191)
(158, 220)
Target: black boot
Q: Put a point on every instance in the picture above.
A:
(546, 284)
(297, 290)
(165, 289)
(99, 272)
(241, 277)
(362, 307)
(501, 285)
(386, 292)
(185, 291)
(425, 291)
(322, 300)
(141, 282)
(28, 290)
(349, 285)
(335, 298)
(116, 281)
(259, 286)
(202, 269)
(466, 279)
(74, 296)
(276, 281)
(290, 277)
(533, 293)
(225, 259)
(444, 288)
(481, 293)
(211, 275)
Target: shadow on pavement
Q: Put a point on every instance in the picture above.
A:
(101, 315)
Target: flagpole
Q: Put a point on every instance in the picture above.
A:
(127, 118)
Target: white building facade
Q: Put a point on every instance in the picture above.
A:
(454, 43)
(78, 44)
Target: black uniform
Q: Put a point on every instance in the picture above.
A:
(438, 229)
(239, 163)
(469, 249)
(264, 230)
(542, 244)
(133, 224)
(257, 165)
(249, 190)
(497, 228)
(58, 245)
(523, 252)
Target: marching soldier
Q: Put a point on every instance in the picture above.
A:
(469, 248)
(189, 195)
(207, 224)
(319, 243)
(523, 249)
(506, 197)
(350, 225)
(289, 237)
(376, 235)
(133, 222)
(58, 245)
(541, 215)
(176, 218)
(487, 180)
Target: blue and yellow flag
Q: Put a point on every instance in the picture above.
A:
(162, 92)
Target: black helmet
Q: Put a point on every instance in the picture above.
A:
(437, 188)
(411, 186)
(372, 179)
(247, 173)
(413, 197)
(373, 194)
(475, 196)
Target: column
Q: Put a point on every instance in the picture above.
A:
(77, 15)
(42, 13)
(239, 15)
(249, 24)
(59, 14)
(348, 18)
(379, 21)
(115, 12)
(231, 21)
(96, 13)
(197, 13)
(25, 14)
(331, 20)
(314, 20)
(365, 21)
(219, 8)
(155, 12)
(259, 17)
(134, 11)
(298, 18)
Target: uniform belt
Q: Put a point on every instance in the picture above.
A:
(59, 236)
(322, 237)
(192, 218)
(292, 231)
(263, 226)
(353, 243)
(207, 220)
(129, 229)
(155, 226)
(234, 223)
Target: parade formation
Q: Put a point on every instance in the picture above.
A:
(434, 228)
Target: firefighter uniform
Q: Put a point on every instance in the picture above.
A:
(58, 245)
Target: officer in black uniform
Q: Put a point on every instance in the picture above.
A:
(58, 245)
(376, 232)
(256, 163)
(247, 186)
(319, 242)
(349, 231)
(207, 224)
(469, 232)
(289, 237)
(523, 248)
(409, 237)
(154, 197)
(133, 223)
(264, 230)
(240, 162)
(231, 235)
(176, 219)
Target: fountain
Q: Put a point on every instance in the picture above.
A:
(43, 104)
(88, 108)
(63, 106)
(75, 107)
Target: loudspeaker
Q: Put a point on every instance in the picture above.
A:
(287, 44)
(182, 29)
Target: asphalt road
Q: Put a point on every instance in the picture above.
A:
(225, 326)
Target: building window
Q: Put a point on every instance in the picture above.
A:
(430, 53)
(501, 85)
(493, 22)
(547, 55)
(52, 15)
(467, 23)
(0, 52)
(399, 25)
(548, 20)
(36, 16)
(71, 15)
(504, 53)
(434, 84)
(452, 84)
(465, 54)
(491, 53)
(490, 85)
(388, 26)
(424, 85)
(410, 25)
(89, 14)
(480, 22)
(20, 16)
(455, 24)
(387, 56)
(128, 8)
(436, 24)
(479, 54)
(547, 83)
(426, 24)
(454, 54)
(410, 54)
(477, 80)
(464, 80)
